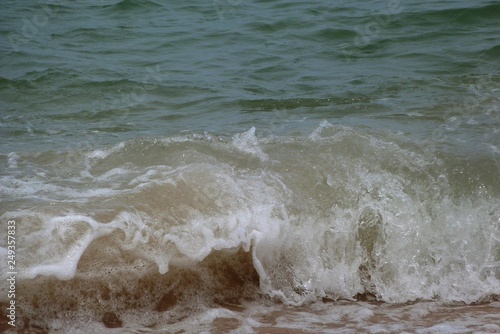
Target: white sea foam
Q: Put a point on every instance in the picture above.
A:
(13, 159)
(249, 143)
(417, 253)
(337, 215)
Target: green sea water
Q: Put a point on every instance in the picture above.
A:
(106, 71)
(165, 159)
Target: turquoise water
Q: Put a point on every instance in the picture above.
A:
(276, 151)
(105, 71)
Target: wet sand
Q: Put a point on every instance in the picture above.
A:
(353, 317)
(319, 317)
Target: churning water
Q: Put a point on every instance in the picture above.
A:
(265, 166)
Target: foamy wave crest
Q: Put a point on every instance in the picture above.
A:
(154, 224)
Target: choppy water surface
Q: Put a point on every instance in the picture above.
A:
(251, 166)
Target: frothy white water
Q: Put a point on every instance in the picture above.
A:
(338, 215)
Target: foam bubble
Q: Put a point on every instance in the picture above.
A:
(248, 142)
(73, 234)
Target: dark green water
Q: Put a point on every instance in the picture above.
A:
(106, 71)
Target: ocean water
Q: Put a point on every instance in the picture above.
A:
(235, 166)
